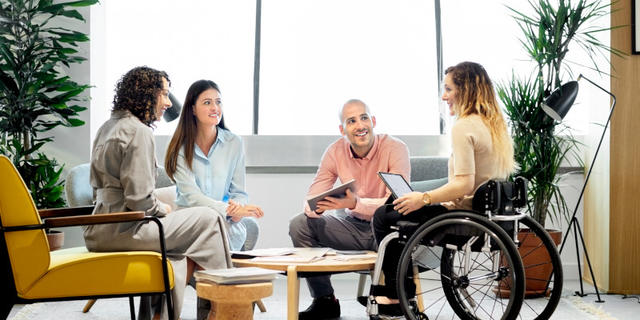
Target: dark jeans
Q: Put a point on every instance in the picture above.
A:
(383, 219)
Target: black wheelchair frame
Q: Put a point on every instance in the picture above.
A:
(473, 264)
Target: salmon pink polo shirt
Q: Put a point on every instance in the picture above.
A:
(388, 154)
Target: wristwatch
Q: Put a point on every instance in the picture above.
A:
(426, 198)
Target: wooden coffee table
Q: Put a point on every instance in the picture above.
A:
(328, 264)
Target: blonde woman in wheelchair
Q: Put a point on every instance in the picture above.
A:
(481, 150)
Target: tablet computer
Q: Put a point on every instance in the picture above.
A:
(396, 183)
(337, 192)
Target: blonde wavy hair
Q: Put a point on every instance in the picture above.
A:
(475, 95)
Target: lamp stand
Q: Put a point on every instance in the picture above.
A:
(576, 230)
(574, 221)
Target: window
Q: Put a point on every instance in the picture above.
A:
(198, 39)
(485, 32)
(315, 55)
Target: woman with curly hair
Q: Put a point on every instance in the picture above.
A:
(123, 173)
(481, 150)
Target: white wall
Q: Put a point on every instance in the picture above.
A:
(72, 145)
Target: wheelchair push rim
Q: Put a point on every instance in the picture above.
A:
(461, 284)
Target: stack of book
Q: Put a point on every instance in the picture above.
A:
(236, 275)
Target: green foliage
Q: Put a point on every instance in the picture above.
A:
(43, 180)
(35, 95)
(542, 145)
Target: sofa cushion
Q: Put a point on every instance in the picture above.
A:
(428, 168)
(78, 187)
(167, 195)
(427, 185)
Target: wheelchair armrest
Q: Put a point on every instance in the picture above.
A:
(406, 224)
(406, 229)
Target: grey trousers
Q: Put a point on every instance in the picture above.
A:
(334, 229)
(198, 233)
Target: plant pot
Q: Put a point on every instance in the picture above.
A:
(536, 265)
(536, 260)
(56, 239)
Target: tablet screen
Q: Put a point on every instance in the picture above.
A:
(396, 183)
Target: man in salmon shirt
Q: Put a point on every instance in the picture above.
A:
(345, 223)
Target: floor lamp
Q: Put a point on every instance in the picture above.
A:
(557, 106)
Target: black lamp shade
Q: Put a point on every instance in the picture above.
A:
(173, 112)
(560, 101)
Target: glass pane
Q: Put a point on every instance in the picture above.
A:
(318, 54)
(198, 39)
(468, 35)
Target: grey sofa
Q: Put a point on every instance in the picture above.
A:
(79, 193)
(428, 173)
(78, 189)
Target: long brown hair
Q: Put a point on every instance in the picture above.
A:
(475, 95)
(187, 130)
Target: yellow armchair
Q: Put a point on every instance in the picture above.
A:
(30, 273)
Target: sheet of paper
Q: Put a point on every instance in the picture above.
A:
(267, 252)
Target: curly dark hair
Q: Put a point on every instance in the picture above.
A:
(137, 91)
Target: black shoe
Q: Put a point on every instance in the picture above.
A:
(327, 307)
(393, 310)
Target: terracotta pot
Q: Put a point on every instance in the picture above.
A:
(56, 239)
(534, 259)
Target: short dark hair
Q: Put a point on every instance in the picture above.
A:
(137, 91)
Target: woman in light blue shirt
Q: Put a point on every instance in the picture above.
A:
(206, 161)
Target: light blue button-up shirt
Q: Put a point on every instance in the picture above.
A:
(214, 179)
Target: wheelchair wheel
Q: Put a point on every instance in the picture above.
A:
(543, 277)
(474, 260)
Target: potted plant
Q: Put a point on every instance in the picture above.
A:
(35, 94)
(541, 144)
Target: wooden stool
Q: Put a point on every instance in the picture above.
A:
(233, 301)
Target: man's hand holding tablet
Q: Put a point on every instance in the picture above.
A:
(339, 197)
(348, 201)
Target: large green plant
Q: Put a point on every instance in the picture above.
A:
(542, 145)
(35, 94)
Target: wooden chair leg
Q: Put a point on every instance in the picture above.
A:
(261, 306)
(416, 280)
(88, 306)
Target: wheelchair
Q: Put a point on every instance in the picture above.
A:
(473, 264)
